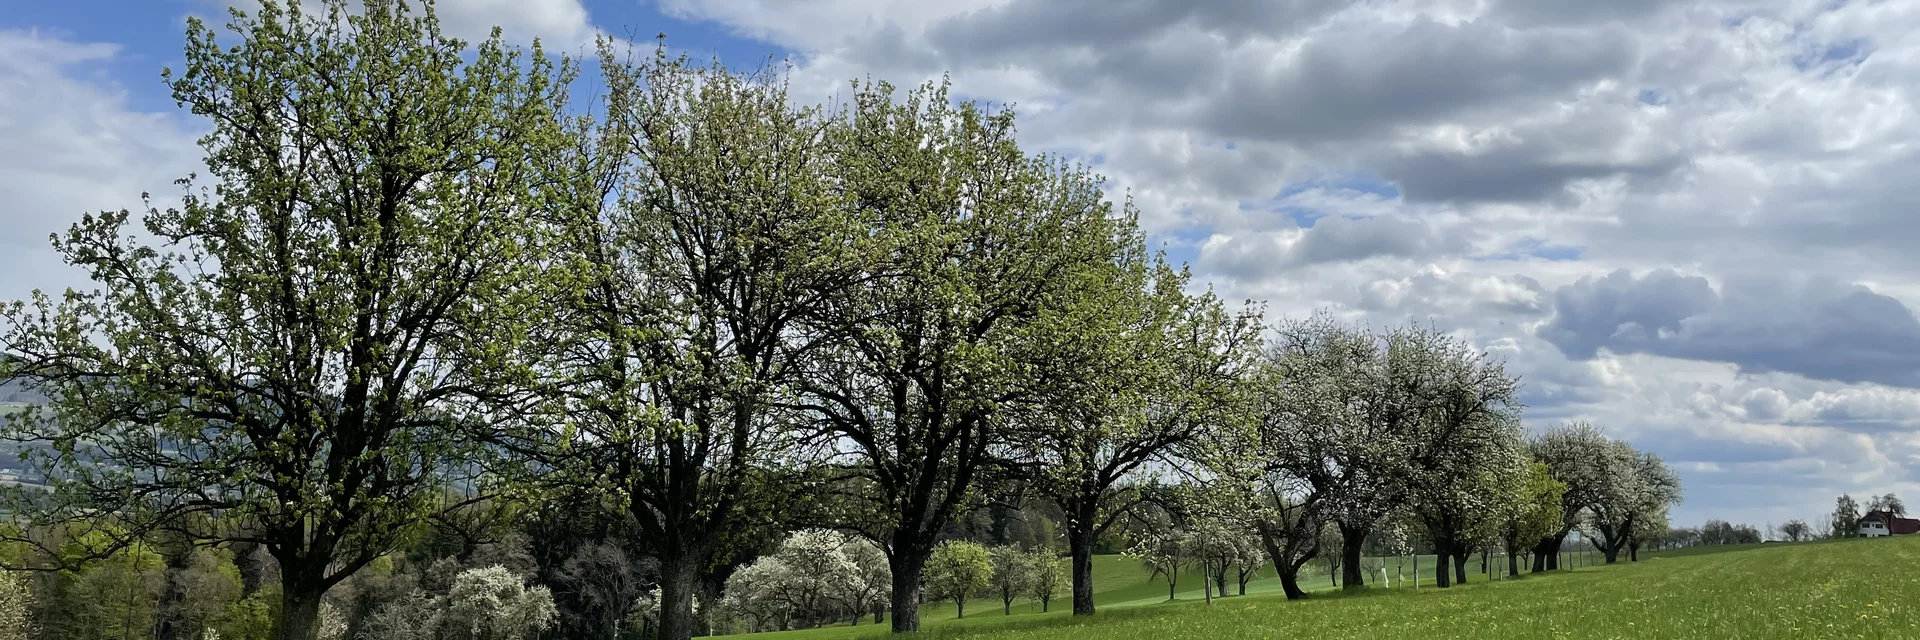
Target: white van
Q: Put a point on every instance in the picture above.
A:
(1873, 529)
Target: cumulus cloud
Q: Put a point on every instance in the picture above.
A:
(1368, 78)
(562, 25)
(559, 24)
(70, 145)
(1575, 12)
(1253, 255)
(1816, 327)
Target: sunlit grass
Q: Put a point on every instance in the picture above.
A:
(1840, 589)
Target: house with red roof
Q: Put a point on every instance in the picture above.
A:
(1881, 523)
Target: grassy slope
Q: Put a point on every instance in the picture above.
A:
(1840, 589)
(1118, 583)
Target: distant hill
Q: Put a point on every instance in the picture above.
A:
(14, 392)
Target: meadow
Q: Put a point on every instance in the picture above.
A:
(1861, 588)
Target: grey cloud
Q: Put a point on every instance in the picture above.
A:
(1041, 26)
(1561, 12)
(1620, 308)
(1254, 255)
(1765, 404)
(1483, 298)
(1339, 238)
(1548, 400)
(1814, 327)
(1509, 174)
(1365, 81)
(1681, 444)
(1221, 66)
(1150, 49)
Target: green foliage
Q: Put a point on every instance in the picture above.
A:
(1575, 454)
(1045, 576)
(1533, 510)
(1010, 574)
(690, 231)
(959, 571)
(252, 617)
(917, 361)
(1136, 368)
(117, 596)
(283, 356)
(208, 588)
(1846, 517)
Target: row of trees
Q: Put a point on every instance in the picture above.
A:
(817, 576)
(427, 292)
(1719, 532)
(1842, 522)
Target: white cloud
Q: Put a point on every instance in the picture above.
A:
(70, 145)
(562, 26)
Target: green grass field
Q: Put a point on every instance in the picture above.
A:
(1840, 589)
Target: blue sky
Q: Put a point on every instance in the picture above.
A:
(149, 33)
(1687, 221)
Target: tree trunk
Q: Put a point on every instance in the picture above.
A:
(1612, 552)
(1633, 551)
(905, 600)
(1350, 574)
(1289, 579)
(172, 624)
(1460, 567)
(1043, 604)
(1546, 555)
(1220, 582)
(679, 575)
(959, 608)
(299, 608)
(1513, 563)
(879, 614)
(1081, 548)
(1441, 578)
(1006, 607)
